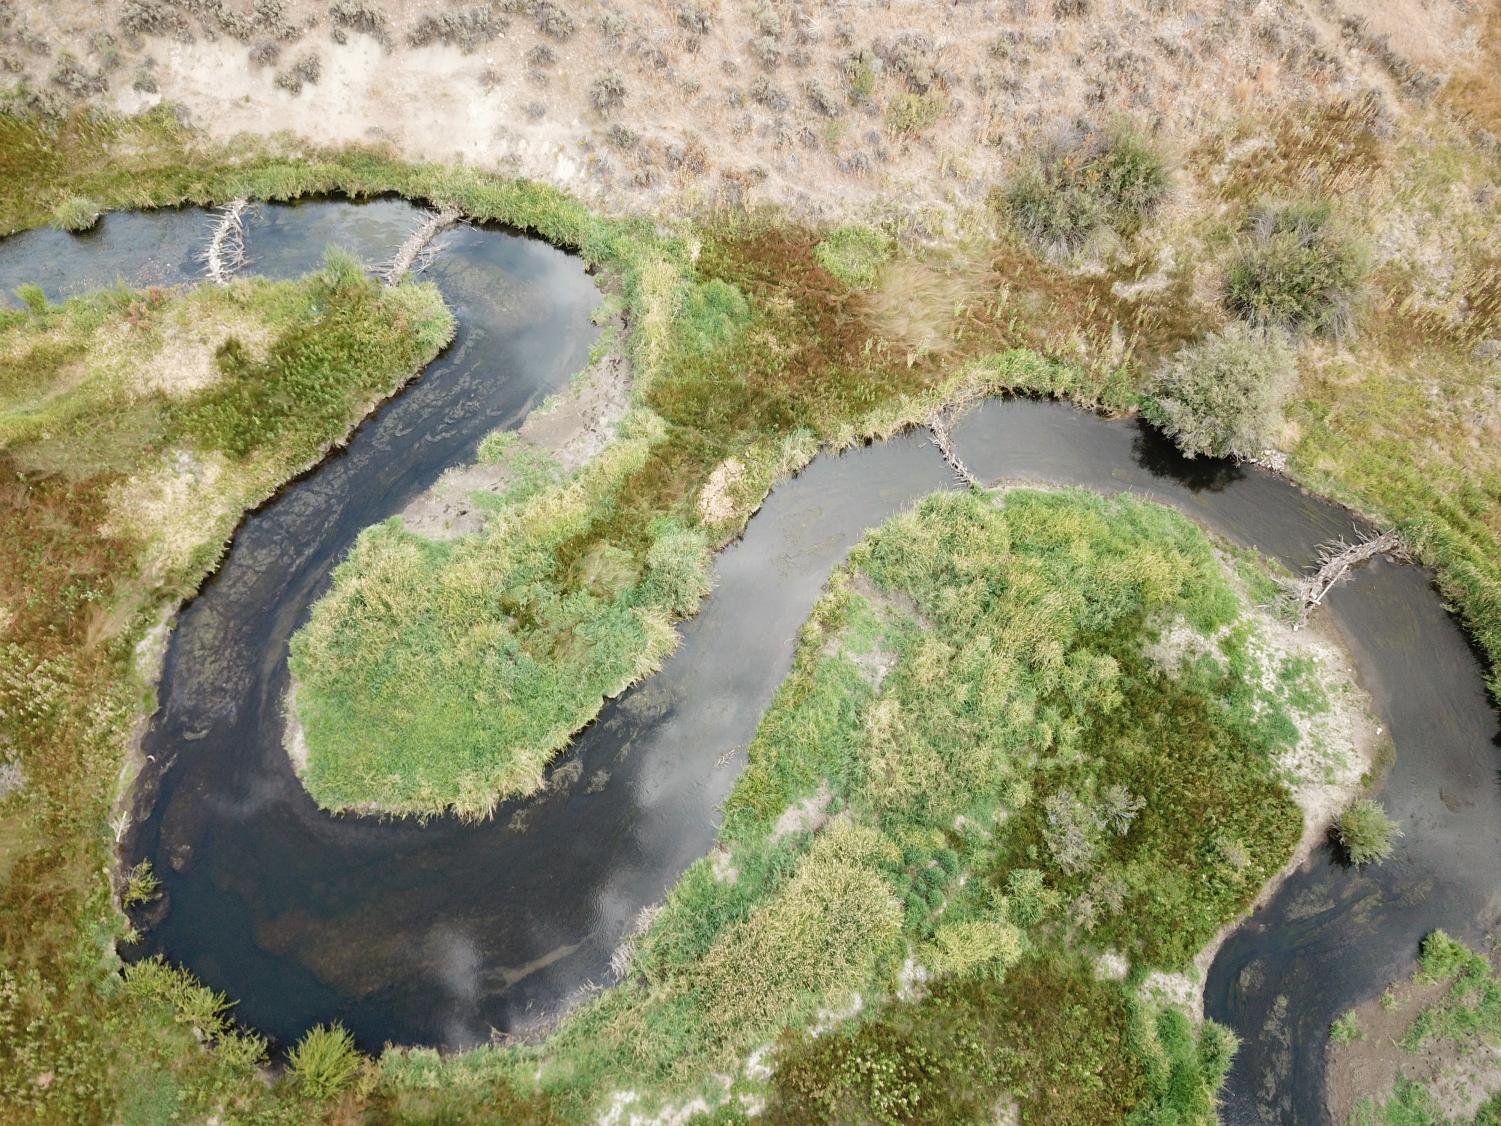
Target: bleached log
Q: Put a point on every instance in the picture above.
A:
(417, 251)
(938, 424)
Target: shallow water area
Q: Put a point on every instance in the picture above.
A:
(440, 932)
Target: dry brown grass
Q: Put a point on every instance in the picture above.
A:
(1475, 91)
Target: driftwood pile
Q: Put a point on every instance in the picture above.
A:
(1336, 560)
(226, 245)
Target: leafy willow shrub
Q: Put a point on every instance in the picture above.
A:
(1366, 833)
(325, 1061)
(1296, 269)
(76, 213)
(1223, 396)
(854, 254)
(1109, 180)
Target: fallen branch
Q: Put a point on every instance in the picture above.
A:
(417, 251)
(226, 244)
(1336, 560)
(938, 423)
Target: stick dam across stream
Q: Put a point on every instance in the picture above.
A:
(437, 933)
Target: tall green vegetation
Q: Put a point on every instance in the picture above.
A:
(1112, 180)
(1223, 396)
(75, 214)
(1022, 787)
(1296, 269)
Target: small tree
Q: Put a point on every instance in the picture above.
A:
(1223, 396)
(1365, 832)
(1295, 269)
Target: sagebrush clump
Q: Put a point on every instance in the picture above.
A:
(1297, 269)
(1110, 180)
(1223, 396)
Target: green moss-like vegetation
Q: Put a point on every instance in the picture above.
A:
(854, 255)
(136, 427)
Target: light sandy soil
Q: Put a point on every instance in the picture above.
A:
(1459, 1075)
(731, 103)
(574, 428)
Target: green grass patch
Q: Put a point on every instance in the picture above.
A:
(854, 255)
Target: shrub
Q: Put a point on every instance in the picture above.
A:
(696, 18)
(354, 15)
(607, 92)
(1295, 269)
(76, 213)
(910, 113)
(1223, 396)
(1112, 180)
(306, 71)
(325, 1060)
(141, 886)
(763, 93)
(854, 255)
(1365, 832)
(822, 99)
(465, 30)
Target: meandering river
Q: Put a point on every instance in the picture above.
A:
(440, 932)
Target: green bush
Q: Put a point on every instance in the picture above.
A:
(1112, 180)
(1346, 1028)
(325, 1061)
(1223, 396)
(854, 255)
(911, 113)
(1365, 832)
(1296, 269)
(76, 213)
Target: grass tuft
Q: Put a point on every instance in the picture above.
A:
(76, 213)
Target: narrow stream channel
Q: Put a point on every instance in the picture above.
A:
(439, 933)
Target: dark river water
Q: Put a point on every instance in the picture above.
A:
(439, 933)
